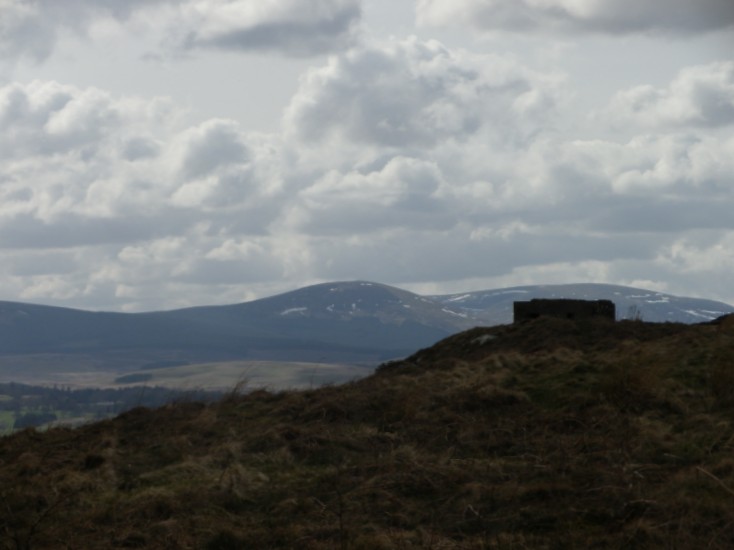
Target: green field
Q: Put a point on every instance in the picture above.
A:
(6, 422)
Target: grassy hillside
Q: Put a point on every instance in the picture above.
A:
(550, 434)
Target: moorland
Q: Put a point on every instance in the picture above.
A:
(546, 434)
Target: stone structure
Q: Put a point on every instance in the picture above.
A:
(565, 309)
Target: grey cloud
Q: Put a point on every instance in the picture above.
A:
(405, 193)
(297, 28)
(601, 16)
(24, 32)
(138, 148)
(584, 192)
(662, 185)
(31, 28)
(665, 215)
(73, 230)
(214, 144)
(666, 184)
(46, 262)
(251, 268)
(221, 168)
(237, 188)
(453, 255)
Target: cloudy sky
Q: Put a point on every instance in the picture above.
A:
(165, 153)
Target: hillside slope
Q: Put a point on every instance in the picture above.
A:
(337, 322)
(355, 314)
(547, 434)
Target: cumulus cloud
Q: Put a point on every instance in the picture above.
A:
(80, 166)
(663, 184)
(699, 260)
(125, 196)
(402, 161)
(31, 28)
(62, 148)
(597, 16)
(49, 118)
(415, 93)
(499, 197)
(213, 144)
(405, 193)
(700, 96)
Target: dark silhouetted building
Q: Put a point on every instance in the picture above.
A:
(565, 309)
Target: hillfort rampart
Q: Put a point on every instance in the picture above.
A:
(565, 309)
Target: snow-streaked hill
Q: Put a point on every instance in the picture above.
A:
(493, 307)
(343, 322)
(351, 322)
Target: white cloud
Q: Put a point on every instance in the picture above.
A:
(417, 94)
(62, 155)
(597, 16)
(664, 184)
(79, 166)
(688, 255)
(47, 118)
(646, 165)
(699, 260)
(129, 200)
(700, 96)
(411, 134)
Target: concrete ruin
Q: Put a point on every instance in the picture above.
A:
(564, 309)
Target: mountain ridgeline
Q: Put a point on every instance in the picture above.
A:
(352, 322)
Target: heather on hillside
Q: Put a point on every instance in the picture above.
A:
(547, 434)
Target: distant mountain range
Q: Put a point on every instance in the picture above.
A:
(494, 307)
(343, 322)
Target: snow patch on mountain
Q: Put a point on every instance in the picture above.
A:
(698, 314)
(458, 298)
(294, 310)
(450, 312)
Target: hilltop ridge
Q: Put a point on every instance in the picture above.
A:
(348, 324)
(549, 433)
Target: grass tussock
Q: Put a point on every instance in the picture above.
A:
(549, 434)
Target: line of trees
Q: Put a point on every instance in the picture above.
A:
(38, 405)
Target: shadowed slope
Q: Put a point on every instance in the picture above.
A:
(546, 434)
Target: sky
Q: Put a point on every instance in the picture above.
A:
(157, 154)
